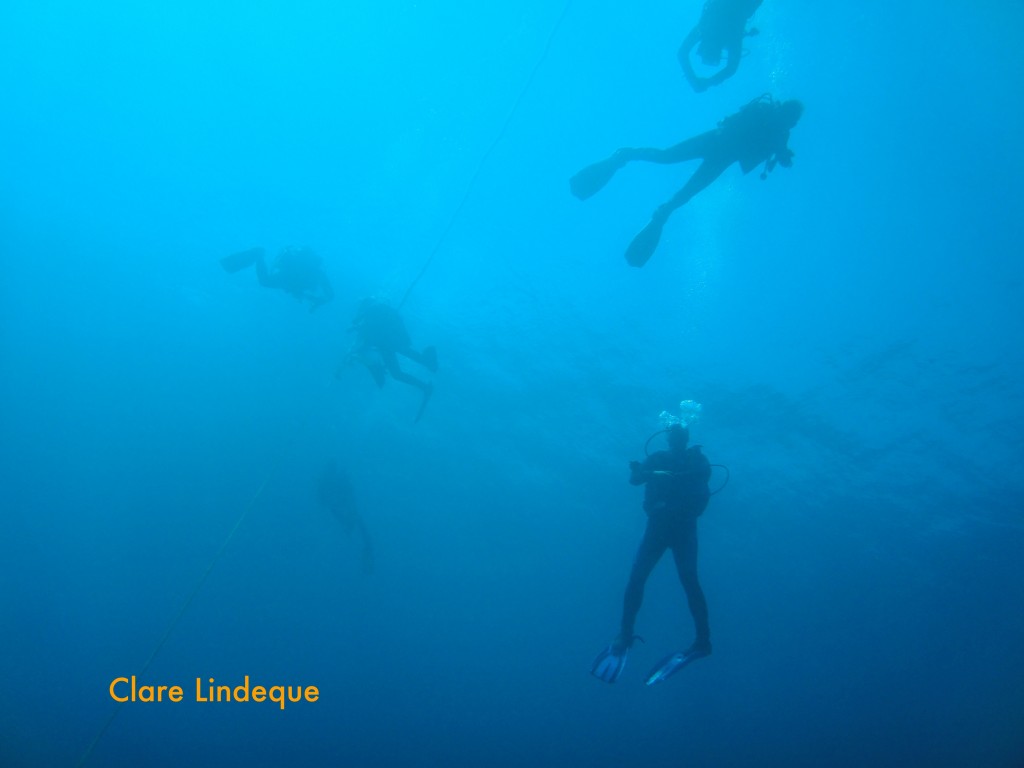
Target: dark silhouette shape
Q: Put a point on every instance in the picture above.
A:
(758, 133)
(298, 271)
(676, 494)
(334, 491)
(380, 338)
(722, 27)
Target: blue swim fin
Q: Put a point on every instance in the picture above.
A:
(674, 662)
(609, 664)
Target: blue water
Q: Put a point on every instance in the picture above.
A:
(852, 326)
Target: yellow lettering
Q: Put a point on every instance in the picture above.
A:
(199, 690)
(242, 691)
(175, 694)
(312, 693)
(280, 692)
(146, 693)
(259, 693)
(113, 695)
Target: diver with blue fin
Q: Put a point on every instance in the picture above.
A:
(675, 494)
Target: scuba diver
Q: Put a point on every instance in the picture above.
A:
(722, 26)
(334, 491)
(675, 495)
(758, 133)
(380, 337)
(298, 271)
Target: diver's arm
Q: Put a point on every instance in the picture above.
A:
(734, 53)
(697, 83)
(701, 466)
(784, 157)
(638, 473)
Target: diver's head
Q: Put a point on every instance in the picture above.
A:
(790, 112)
(678, 436)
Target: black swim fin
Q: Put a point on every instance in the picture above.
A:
(423, 403)
(645, 243)
(239, 261)
(592, 179)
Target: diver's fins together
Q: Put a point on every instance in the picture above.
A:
(239, 261)
(676, 661)
(592, 179)
(609, 664)
(646, 241)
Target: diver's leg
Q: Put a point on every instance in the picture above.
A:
(391, 363)
(427, 358)
(592, 179)
(647, 239)
(684, 551)
(651, 548)
(698, 146)
(241, 260)
(706, 173)
(372, 363)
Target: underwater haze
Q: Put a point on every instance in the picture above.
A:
(852, 327)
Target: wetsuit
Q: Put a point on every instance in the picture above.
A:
(676, 494)
(381, 328)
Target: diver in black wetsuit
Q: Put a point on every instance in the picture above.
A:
(676, 494)
(380, 329)
(334, 491)
(758, 133)
(722, 27)
(297, 271)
